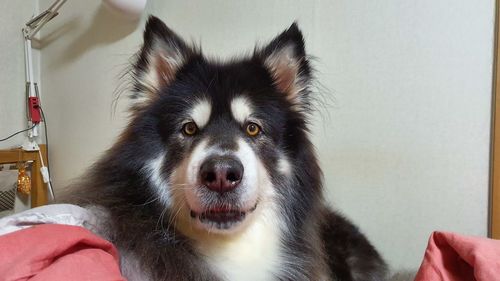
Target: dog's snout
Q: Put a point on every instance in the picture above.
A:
(221, 173)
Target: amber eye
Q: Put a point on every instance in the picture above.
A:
(189, 128)
(253, 129)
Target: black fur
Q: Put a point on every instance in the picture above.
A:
(320, 241)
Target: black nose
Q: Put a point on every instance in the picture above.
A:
(221, 173)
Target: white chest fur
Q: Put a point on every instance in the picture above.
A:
(253, 255)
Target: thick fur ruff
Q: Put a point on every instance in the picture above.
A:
(266, 218)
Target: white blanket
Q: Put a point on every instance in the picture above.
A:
(56, 213)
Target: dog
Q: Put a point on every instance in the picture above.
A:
(215, 177)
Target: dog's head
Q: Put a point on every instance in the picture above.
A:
(220, 139)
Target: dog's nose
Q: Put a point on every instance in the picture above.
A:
(221, 173)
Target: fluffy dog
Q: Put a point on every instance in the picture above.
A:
(215, 177)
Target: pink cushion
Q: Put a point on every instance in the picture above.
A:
(57, 252)
(454, 257)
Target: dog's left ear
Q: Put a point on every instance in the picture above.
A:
(285, 59)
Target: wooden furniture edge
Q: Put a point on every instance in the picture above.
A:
(38, 187)
(494, 212)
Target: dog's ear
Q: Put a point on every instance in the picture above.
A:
(285, 59)
(161, 56)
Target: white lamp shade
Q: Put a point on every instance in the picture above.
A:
(131, 9)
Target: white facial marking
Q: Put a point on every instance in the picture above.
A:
(199, 154)
(251, 176)
(201, 113)
(153, 169)
(250, 183)
(255, 253)
(241, 109)
(284, 166)
(187, 175)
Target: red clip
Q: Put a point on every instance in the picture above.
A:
(34, 110)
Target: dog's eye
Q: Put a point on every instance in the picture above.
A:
(189, 128)
(253, 129)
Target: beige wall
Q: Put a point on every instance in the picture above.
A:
(403, 142)
(12, 75)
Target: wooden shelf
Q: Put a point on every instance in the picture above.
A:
(38, 187)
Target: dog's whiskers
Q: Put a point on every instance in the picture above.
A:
(148, 202)
(172, 218)
(160, 219)
(175, 217)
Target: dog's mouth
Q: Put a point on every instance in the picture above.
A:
(221, 218)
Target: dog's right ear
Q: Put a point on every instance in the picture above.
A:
(158, 61)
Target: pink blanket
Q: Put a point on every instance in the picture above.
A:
(57, 252)
(454, 257)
